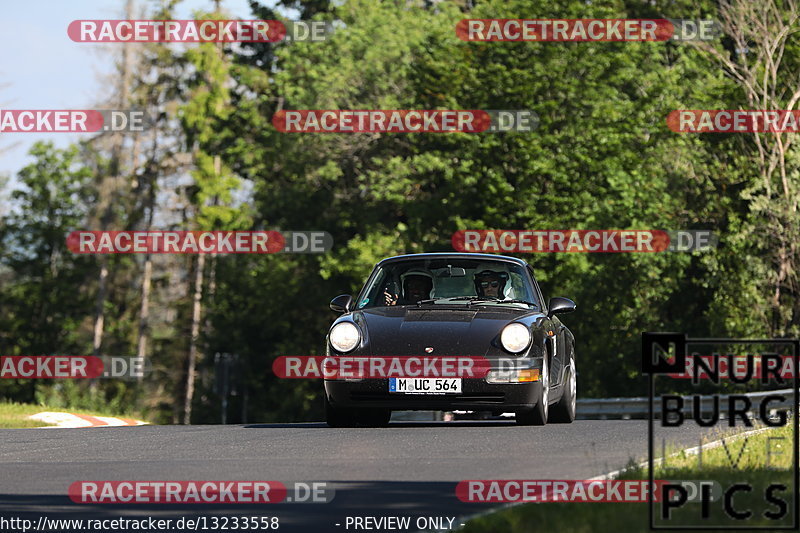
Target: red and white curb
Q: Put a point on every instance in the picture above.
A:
(70, 420)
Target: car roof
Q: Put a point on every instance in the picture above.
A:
(455, 255)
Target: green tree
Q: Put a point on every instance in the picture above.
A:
(208, 103)
(44, 303)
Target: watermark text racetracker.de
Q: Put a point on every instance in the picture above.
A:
(72, 367)
(197, 31)
(582, 241)
(199, 492)
(587, 30)
(73, 120)
(405, 120)
(411, 374)
(198, 242)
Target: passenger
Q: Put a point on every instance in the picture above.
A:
(417, 285)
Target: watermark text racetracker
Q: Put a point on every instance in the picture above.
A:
(382, 367)
(734, 121)
(737, 367)
(582, 241)
(556, 490)
(198, 242)
(72, 367)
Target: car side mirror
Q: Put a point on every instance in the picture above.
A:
(341, 304)
(559, 305)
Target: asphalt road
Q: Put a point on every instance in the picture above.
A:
(407, 469)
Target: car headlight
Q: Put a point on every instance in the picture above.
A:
(344, 336)
(515, 337)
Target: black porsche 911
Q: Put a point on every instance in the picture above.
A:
(454, 304)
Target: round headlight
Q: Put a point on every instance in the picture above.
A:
(344, 336)
(515, 337)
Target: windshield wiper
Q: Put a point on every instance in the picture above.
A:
(516, 301)
(470, 299)
(430, 301)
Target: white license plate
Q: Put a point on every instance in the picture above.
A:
(425, 385)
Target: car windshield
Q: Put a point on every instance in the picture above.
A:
(448, 281)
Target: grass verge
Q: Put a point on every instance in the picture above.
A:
(739, 461)
(15, 415)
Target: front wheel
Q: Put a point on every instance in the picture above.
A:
(374, 418)
(564, 411)
(341, 417)
(337, 417)
(538, 415)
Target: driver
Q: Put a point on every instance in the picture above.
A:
(490, 284)
(417, 285)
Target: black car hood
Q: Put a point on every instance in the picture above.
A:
(462, 330)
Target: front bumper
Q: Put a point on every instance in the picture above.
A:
(476, 395)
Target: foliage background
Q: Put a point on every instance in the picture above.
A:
(602, 157)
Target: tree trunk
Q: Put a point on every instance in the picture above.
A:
(196, 312)
(116, 155)
(99, 317)
(144, 311)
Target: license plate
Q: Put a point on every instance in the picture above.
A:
(425, 385)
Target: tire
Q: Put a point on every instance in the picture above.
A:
(564, 411)
(373, 418)
(338, 417)
(538, 415)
